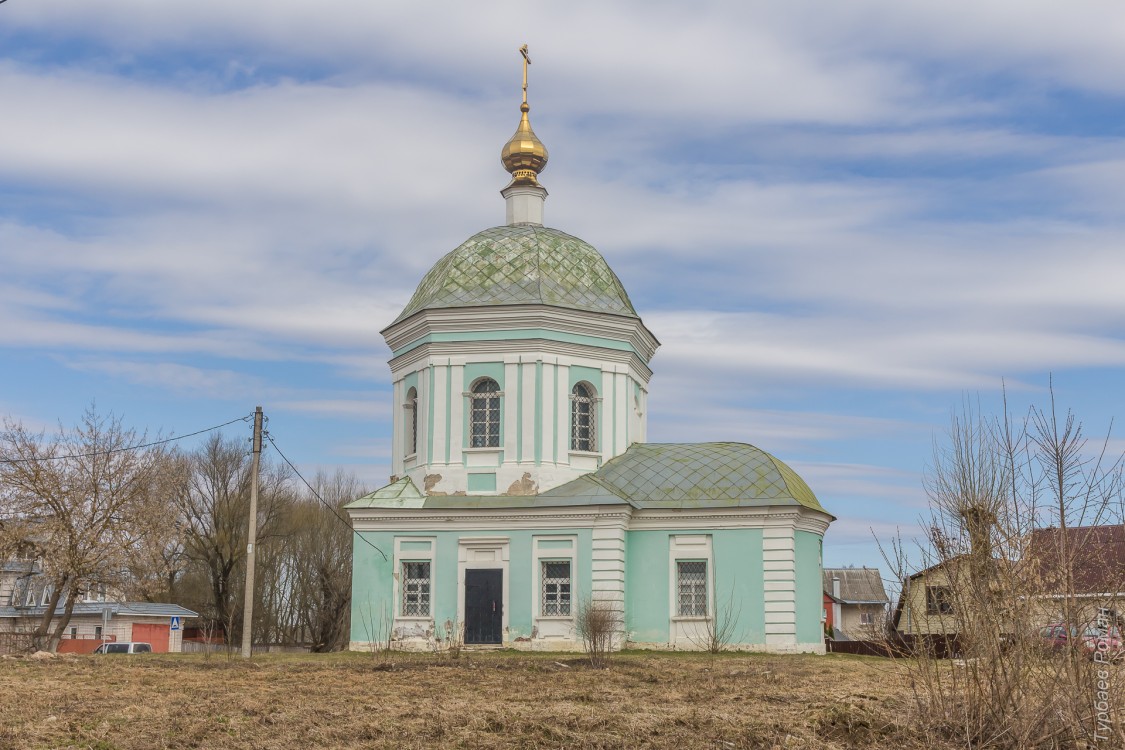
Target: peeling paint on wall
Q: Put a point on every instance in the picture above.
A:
(524, 486)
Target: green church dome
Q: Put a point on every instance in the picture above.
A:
(522, 264)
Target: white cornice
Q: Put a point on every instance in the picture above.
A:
(437, 519)
(801, 519)
(529, 350)
(503, 317)
(461, 519)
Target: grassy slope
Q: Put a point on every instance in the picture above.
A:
(483, 700)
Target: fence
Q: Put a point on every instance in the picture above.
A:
(204, 647)
(936, 645)
(14, 642)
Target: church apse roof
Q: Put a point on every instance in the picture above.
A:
(522, 264)
(647, 476)
(698, 475)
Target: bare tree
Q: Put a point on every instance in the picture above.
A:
(213, 507)
(322, 561)
(720, 631)
(598, 624)
(996, 487)
(84, 500)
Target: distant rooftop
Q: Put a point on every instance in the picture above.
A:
(857, 585)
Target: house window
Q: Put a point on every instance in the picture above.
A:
(583, 418)
(691, 585)
(555, 576)
(412, 422)
(485, 430)
(939, 600)
(416, 589)
(866, 618)
(98, 632)
(73, 633)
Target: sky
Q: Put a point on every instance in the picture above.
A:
(842, 220)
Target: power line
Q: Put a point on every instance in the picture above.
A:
(316, 494)
(247, 418)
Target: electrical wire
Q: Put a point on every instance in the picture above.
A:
(316, 494)
(247, 418)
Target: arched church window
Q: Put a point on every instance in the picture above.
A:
(485, 422)
(412, 422)
(583, 418)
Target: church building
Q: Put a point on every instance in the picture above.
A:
(524, 489)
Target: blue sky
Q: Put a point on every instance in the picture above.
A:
(840, 219)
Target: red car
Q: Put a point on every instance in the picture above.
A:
(1090, 639)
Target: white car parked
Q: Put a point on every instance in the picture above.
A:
(124, 647)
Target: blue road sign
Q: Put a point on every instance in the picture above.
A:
(175, 624)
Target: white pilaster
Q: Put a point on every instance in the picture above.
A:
(456, 412)
(397, 429)
(425, 404)
(549, 436)
(527, 447)
(437, 401)
(620, 412)
(511, 407)
(607, 412)
(779, 563)
(562, 429)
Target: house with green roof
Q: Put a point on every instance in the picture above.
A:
(524, 489)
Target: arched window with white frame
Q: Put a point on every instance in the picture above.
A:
(484, 430)
(411, 407)
(583, 418)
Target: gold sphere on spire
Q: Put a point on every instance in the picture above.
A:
(524, 155)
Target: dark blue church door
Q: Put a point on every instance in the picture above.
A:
(484, 606)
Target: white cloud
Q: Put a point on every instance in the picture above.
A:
(361, 408)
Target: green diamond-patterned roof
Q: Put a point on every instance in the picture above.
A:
(701, 475)
(522, 264)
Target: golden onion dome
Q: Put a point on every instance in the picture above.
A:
(524, 155)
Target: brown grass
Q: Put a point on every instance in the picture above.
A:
(483, 700)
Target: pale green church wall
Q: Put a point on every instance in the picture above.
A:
(807, 547)
(737, 578)
(591, 375)
(646, 586)
(410, 381)
(740, 581)
(372, 592)
(373, 583)
(476, 370)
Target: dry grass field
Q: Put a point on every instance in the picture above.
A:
(482, 700)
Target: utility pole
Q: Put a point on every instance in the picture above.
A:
(248, 601)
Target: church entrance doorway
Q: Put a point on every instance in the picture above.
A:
(484, 606)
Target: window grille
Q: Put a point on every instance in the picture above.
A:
(556, 589)
(412, 405)
(583, 419)
(485, 432)
(691, 580)
(415, 589)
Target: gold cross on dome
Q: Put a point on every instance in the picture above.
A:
(526, 62)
